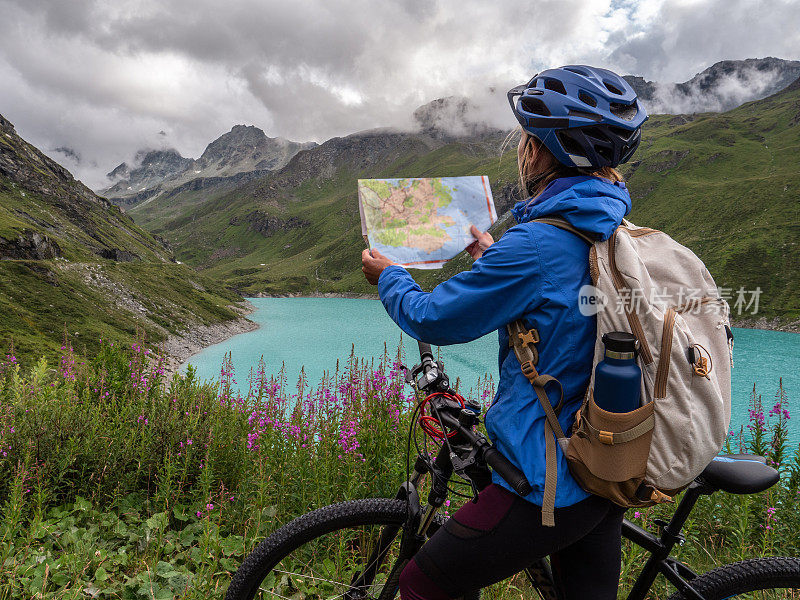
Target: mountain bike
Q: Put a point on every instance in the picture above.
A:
(356, 550)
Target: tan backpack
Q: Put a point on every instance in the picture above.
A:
(646, 284)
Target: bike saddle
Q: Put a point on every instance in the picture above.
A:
(739, 474)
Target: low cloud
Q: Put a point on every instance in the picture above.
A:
(728, 92)
(107, 78)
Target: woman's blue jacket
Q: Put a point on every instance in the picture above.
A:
(534, 272)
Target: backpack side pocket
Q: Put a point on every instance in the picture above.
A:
(607, 452)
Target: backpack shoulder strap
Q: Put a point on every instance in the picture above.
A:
(563, 224)
(524, 343)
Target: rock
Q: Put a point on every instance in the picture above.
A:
(118, 255)
(30, 246)
(666, 159)
(266, 224)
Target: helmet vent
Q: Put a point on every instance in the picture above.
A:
(555, 85)
(587, 99)
(612, 88)
(585, 115)
(575, 70)
(597, 133)
(627, 112)
(623, 134)
(535, 106)
(604, 153)
(569, 144)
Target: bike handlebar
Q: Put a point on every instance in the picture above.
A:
(493, 457)
(515, 478)
(425, 352)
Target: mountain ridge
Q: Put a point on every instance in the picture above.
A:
(73, 265)
(688, 178)
(243, 149)
(47, 213)
(718, 87)
(721, 87)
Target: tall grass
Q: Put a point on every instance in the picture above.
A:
(117, 482)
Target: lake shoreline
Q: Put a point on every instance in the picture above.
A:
(774, 324)
(178, 348)
(346, 295)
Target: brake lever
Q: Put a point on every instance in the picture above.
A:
(407, 375)
(460, 467)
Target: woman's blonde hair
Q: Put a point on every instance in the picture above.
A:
(538, 167)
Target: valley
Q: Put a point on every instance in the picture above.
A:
(725, 184)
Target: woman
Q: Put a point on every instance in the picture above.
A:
(577, 124)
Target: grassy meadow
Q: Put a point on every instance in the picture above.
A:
(116, 482)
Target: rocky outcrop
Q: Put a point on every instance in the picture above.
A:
(118, 255)
(267, 225)
(243, 150)
(506, 195)
(49, 214)
(25, 166)
(664, 160)
(29, 246)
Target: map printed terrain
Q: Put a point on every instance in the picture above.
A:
(424, 222)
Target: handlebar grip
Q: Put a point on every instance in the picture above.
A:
(425, 349)
(515, 478)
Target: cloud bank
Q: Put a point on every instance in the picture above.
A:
(104, 78)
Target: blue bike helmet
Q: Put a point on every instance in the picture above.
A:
(587, 117)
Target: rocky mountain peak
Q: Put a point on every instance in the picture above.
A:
(241, 138)
(781, 72)
(121, 171)
(452, 116)
(244, 149)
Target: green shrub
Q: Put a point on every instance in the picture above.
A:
(116, 482)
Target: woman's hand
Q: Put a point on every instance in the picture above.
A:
(483, 239)
(372, 264)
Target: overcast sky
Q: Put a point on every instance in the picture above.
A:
(109, 77)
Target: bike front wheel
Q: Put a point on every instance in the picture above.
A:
(347, 551)
(756, 579)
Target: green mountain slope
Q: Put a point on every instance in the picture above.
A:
(72, 263)
(298, 230)
(46, 213)
(725, 184)
(728, 187)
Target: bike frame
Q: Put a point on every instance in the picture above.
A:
(659, 546)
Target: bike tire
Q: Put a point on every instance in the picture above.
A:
(753, 575)
(271, 561)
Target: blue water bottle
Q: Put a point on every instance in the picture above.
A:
(617, 378)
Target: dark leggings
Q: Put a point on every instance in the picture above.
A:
(501, 534)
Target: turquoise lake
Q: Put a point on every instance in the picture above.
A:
(315, 332)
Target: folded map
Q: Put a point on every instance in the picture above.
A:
(424, 222)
